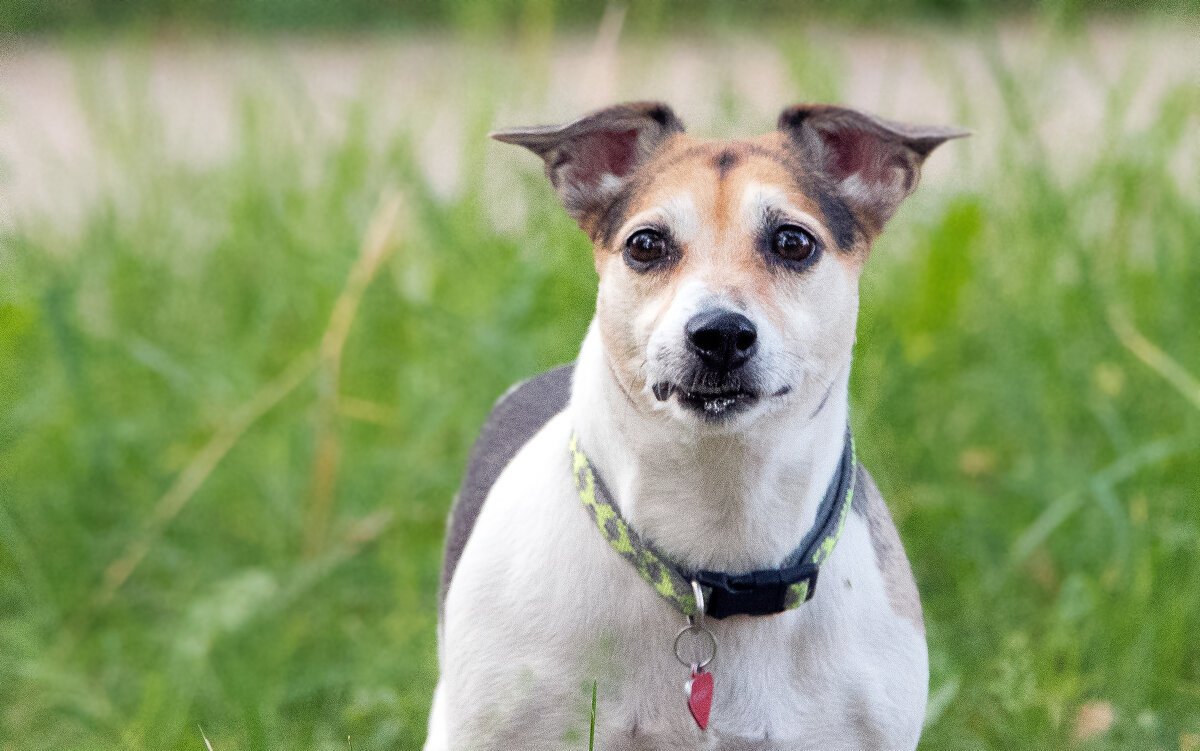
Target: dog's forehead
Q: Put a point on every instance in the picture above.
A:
(717, 182)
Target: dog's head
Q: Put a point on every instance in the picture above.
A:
(729, 269)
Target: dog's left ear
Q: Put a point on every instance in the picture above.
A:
(589, 160)
(873, 164)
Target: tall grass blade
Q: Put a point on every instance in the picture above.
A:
(1159, 361)
(592, 725)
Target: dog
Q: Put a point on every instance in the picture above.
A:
(670, 543)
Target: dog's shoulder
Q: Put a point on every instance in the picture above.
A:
(868, 503)
(517, 417)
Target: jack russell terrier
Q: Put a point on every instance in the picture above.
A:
(670, 542)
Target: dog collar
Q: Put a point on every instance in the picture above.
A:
(764, 592)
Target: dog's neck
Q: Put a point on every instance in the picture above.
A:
(735, 502)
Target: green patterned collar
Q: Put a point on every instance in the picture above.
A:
(764, 592)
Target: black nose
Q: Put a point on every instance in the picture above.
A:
(723, 339)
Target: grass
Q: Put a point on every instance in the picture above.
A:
(236, 400)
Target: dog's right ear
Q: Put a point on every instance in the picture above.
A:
(589, 160)
(874, 163)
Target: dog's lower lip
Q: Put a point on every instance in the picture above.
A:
(727, 394)
(716, 406)
(663, 390)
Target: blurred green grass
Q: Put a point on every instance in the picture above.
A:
(1044, 477)
(491, 16)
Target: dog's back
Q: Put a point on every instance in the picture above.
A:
(516, 417)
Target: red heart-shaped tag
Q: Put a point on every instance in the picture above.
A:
(700, 695)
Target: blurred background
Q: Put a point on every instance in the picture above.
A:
(262, 276)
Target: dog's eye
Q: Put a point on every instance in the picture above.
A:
(646, 246)
(792, 243)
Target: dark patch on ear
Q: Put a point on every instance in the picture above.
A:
(663, 115)
(792, 118)
(724, 162)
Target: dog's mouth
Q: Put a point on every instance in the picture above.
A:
(713, 404)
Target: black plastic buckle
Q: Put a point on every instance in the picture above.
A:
(754, 593)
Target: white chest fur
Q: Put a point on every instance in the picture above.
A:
(540, 607)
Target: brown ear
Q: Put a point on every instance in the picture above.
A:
(588, 160)
(873, 164)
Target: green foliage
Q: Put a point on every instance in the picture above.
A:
(1044, 479)
(509, 15)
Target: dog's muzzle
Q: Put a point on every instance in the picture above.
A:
(718, 384)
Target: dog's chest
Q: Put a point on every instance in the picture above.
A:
(542, 607)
